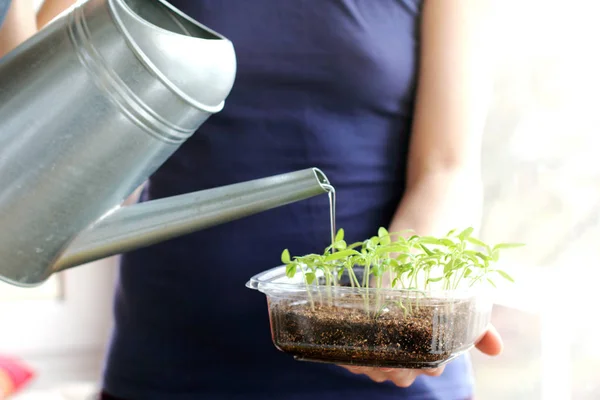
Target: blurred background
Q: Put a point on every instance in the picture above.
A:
(542, 178)
(542, 181)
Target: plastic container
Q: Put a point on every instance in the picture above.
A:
(391, 328)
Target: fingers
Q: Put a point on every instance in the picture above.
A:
(491, 343)
(433, 372)
(378, 375)
(403, 377)
(400, 377)
(375, 374)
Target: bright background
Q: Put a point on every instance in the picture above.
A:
(542, 177)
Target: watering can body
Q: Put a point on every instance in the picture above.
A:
(90, 107)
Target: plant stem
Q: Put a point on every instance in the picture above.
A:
(415, 281)
(457, 282)
(353, 278)
(378, 292)
(310, 299)
(367, 272)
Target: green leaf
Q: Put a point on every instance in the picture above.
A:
(308, 257)
(495, 255)
(479, 243)
(429, 240)
(430, 261)
(447, 242)
(390, 249)
(439, 278)
(340, 235)
(505, 275)
(450, 266)
(476, 242)
(404, 258)
(508, 246)
(340, 245)
(486, 262)
(491, 282)
(429, 252)
(468, 272)
(465, 234)
(383, 234)
(473, 256)
(406, 267)
(377, 270)
(310, 277)
(290, 270)
(285, 257)
(340, 255)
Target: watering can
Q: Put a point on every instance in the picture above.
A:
(90, 107)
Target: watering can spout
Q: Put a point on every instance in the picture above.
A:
(132, 227)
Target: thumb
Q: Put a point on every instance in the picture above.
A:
(491, 342)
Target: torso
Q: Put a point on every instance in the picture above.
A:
(320, 83)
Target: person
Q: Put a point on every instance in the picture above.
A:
(19, 20)
(389, 99)
(17, 23)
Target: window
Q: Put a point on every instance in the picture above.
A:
(542, 174)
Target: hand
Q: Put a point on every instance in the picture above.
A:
(490, 344)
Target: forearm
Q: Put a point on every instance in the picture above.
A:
(18, 26)
(22, 22)
(441, 201)
(444, 188)
(50, 9)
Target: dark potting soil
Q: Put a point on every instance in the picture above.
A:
(428, 336)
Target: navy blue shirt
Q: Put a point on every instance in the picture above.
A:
(320, 83)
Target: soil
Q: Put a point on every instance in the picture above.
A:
(428, 336)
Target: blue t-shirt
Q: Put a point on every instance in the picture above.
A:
(320, 83)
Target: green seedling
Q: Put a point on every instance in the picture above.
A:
(393, 261)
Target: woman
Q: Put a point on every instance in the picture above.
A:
(388, 98)
(17, 23)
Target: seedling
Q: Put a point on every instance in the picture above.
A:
(395, 299)
(418, 263)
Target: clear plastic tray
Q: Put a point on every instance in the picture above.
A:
(371, 327)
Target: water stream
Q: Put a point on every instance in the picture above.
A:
(331, 194)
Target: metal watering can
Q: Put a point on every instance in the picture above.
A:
(93, 105)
